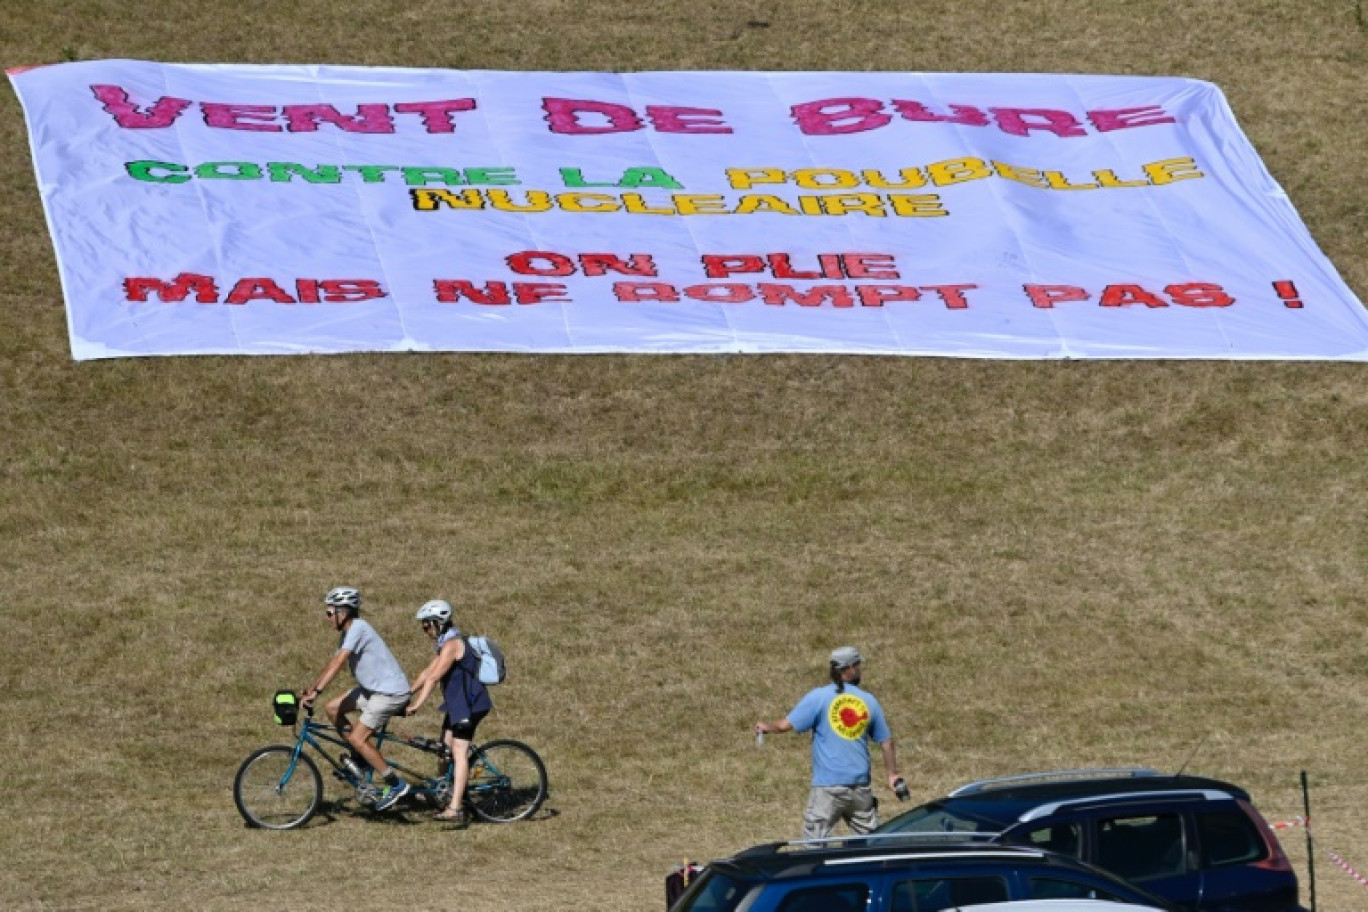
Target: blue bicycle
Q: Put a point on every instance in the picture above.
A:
(280, 787)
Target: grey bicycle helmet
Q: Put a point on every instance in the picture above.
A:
(344, 597)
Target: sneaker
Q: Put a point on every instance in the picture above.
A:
(392, 794)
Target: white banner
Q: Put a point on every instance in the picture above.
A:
(291, 209)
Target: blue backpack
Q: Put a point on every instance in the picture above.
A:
(492, 668)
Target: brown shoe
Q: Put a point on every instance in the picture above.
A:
(457, 816)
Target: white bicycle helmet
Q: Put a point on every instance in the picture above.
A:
(343, 597)
(435, 610)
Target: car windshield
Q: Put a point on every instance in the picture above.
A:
(714, 892)
(939, 817)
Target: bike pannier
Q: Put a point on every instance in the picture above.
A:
(285, 703)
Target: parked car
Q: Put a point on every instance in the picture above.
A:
(899, 873)
(1197, 842)
(1053, 905)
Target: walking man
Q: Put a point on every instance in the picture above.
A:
(843, 719)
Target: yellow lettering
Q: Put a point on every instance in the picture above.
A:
(1109, 179)
(537, 201)
(868, 203)
(1172, 169)
(745, 178)
(1030, 176)
(910, 179)
(587, 202)
(635, 203)
(428, 200)
(957, 170)
(917, 205)
(1057, 181)
(812, 179)
(763, 202)
(700, 204)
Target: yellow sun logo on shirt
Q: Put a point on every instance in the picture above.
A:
(849, 716)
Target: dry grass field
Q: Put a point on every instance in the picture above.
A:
(1047, 564)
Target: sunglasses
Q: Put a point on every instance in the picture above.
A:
(330, 611)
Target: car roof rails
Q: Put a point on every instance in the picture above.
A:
(985, 785)
(1169, 795)
(872, 840)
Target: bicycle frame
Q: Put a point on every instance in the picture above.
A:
(312, 734)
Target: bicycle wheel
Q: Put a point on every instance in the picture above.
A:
(507, 781)
(274, 791)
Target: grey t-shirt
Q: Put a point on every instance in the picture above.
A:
(371, 662)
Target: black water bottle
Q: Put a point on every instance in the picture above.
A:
(900, 789)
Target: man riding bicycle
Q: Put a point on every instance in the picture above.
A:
(381, 693)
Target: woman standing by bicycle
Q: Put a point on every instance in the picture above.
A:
(465, 698)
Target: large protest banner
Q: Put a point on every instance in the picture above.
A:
(200, 209)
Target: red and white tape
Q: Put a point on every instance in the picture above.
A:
(1347, 869)
(1294, 822)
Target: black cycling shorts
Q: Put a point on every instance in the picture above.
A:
(464, 730)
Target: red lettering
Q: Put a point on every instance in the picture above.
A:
(1123, 118)
(341, 291)
(257, 289)
(436, 115)
(240, 117)
(838, 295)
(636, 292)
(781, 267)
(1199, 294)
(526, 263)
(369, 118)
(876, 295)
(1046, 296)
(967, 115)
(716, 266)
(597, 264)
(686, 120)
(1020, 121)
(206, 291)
(722, 293)
(951, 295)
(563, 116)
(1126, 295)
(834, 116)
(451, 291)
(870, 266)
(163, 113)
(539, 292)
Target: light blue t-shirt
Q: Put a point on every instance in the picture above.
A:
(842, 725)
(371, 662)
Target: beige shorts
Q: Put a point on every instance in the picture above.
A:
(376, 708)
(830, 804)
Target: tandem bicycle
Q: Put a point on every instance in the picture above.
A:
(280, 787)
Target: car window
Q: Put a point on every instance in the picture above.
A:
(1228, 838)
(848, 897)
(935, 894)
(1058, 888)
(1059, 837)
(715, 893)
(938, 818)
(1142, 847)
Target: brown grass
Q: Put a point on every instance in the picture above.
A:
(1048, 564)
